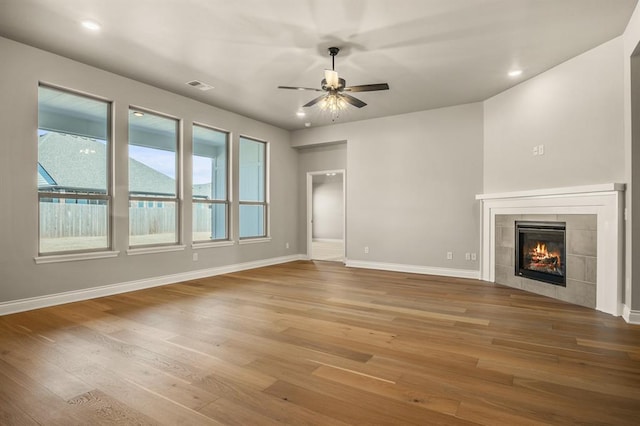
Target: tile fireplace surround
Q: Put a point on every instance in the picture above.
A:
(580, 258)
(604, 201)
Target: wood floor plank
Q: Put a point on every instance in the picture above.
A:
(229, 412)
(316, 343)
(576, 376)
(356, 406)
(332, 406)
(413, 312)
(39, 369)
(209, 363)
(392, 390)
(10, 414)
(146, 400)
(262, 402)
(489, 415)
(110, 410)
(400, 410)
(40, 404)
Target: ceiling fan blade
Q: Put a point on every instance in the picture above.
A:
(314, 101)
(367, 87)
(299, 88)
(332, 78)
(353, 101)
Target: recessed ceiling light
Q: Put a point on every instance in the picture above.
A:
(91, 25)
(200, 85)
(515, 73)
(138, 113)
(300, 113)
(307, 124)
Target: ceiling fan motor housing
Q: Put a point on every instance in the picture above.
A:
(341, 85)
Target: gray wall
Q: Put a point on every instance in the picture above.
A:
(314, 159)
(21, 69)
(575, 110)
(633, 189)
(328, 208)
(411, 181)
(632, 157)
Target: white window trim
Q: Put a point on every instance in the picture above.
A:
(211, 244)
(254, 240)
(57, 258)
(156, 249)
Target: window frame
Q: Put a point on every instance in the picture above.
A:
(265, 203)
(212, 202)
(178, 199)
(107, 197)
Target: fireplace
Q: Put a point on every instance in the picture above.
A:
(540, 251)
(594, 217)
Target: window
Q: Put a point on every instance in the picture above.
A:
(74, 160)
(253, 188)
(210, 189)
(153, 177)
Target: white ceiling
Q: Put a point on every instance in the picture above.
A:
(433, 53)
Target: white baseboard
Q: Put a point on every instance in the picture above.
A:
(22, 305)
(630, 316)
(414, 269)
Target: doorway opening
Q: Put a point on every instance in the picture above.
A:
(326, 215)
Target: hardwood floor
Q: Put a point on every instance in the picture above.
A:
(319, 343)
(331, 250)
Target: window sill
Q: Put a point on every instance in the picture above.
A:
(151, 250)
(255, 240)
(209, 244)
(56, 258)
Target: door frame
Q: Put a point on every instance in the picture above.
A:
(309, 222)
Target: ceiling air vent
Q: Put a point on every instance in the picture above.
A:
(200, 85)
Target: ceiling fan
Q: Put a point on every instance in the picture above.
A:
(336, 98)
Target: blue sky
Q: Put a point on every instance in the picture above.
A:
(164, 162)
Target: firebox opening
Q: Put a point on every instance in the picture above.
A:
(540, 251)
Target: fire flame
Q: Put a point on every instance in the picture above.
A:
(542, 259)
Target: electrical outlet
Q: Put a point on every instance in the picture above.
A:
(286, 245)
(535, 150)
(474, 256)
(366, 250)
(467, 256)
(195, 257)
(449, 255)
(540, 149)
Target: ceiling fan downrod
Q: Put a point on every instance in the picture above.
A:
(333, 51)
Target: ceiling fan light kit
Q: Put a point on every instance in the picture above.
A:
(335, 100)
